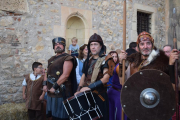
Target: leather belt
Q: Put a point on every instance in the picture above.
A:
(116, 88)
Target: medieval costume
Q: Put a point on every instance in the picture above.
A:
(155, 60)
(93, 71)
(33, 91)
(114, 92)
(55, 108)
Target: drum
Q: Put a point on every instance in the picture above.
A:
(82, 107)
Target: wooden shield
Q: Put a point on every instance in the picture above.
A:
(148, 95)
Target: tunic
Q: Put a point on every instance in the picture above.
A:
(55, 106)
(34, 91)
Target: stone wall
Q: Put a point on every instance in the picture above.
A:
(26, 33)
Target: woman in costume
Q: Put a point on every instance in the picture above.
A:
(116, 60)
(114, 92)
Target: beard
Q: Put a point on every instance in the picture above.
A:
(147, 53)
(59, 50)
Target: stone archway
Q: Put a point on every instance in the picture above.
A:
(67, 13)
(75, 28)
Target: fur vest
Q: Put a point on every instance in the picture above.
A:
(156, 60)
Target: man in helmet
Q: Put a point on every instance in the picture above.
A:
(96, 73)
(60, 82)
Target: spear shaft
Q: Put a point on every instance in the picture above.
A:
(176, 66)
(124, 48)
(176, 77)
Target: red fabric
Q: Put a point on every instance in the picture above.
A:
(174, 116)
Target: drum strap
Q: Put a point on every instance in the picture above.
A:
(101, 97)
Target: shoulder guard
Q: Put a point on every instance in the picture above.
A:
(108, 57)
(68, 57)
(73, 59)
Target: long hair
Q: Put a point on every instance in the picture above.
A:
(81, 54)
(117, 56)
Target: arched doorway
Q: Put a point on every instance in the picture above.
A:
(75, 28)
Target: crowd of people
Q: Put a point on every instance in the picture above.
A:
(88, 68)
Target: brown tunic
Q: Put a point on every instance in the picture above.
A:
(34, 91)
(55, 64)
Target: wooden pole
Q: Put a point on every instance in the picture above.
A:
(124, 48)
(176, 78)
(176, 64)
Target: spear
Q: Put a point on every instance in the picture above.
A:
(124, 48)
(176, 63)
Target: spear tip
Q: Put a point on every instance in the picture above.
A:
(174, 10)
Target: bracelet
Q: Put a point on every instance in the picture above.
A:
(55, 86)
(44, 83)
(95, 85)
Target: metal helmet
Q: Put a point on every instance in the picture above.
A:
(59, 40)
(96, 38)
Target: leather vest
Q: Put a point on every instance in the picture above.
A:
(87, 80)
(55, 70)
(34, 92)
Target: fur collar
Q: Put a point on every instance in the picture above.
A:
(152, 56)
(157, 60)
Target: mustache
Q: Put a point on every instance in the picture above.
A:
(58, 48)
(146, 49)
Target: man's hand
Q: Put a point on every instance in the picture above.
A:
(52, 90)
(173, 56)
(77, 93)
(84, 89)
(45, 88)
(122, 56)
(41, 97)
(24, 96)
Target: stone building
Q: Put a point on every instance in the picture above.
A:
(28, 26)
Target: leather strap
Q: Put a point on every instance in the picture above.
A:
(101, 97)
(116, 88)
(97, 68)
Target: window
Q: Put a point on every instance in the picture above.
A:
(143, 22)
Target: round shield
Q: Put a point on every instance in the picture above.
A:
(148, 95)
